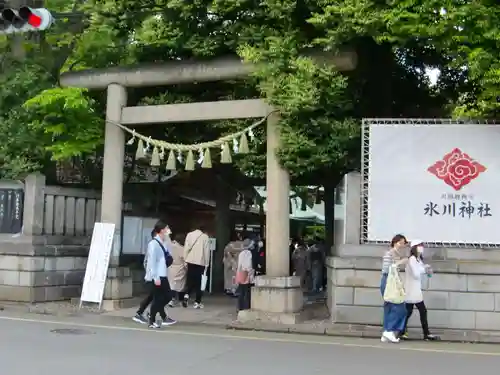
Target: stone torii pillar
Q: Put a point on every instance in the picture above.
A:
(278, 205)
(112, 177)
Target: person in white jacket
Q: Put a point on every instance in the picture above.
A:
(415, 269)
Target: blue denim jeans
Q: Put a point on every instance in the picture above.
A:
(394, 313)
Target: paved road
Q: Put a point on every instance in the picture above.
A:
(112, 347)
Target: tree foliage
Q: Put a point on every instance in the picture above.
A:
(459, 37)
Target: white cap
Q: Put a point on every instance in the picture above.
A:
(416, 242)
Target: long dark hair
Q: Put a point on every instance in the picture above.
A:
(396, 239)
(414, 252)
(159, 226)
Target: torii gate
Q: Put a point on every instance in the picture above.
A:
(277, 296)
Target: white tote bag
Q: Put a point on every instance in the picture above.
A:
(204, 280)
(394, 290)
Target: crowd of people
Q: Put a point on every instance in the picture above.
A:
(397, 311)
(173, 273)
(176, 270)
(307, 260)
(245, 258)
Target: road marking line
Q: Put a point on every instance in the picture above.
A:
(253, 338)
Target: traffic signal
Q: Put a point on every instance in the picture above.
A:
(25, 19)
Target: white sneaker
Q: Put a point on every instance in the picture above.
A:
(198, 305)
(390, 337)
(384, 339)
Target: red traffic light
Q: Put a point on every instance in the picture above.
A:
(25, 19)
(29, 16)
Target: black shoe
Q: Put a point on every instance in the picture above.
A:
(139, 318)
(432, 338)
(185, 301)
(168, 321)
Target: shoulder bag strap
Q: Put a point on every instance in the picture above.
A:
(161, 245)
(194, 243)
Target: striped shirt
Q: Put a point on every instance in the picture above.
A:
(387, 261)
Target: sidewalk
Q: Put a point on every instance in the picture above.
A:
(220, 311)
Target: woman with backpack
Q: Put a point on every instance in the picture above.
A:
(156, 263)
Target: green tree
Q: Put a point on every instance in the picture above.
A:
(318, 132)
(458, 37)
(44, 123)
(321, 108)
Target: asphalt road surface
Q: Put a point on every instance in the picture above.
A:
(39, 345)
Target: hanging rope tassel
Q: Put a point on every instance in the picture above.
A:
(155, 158)
(207, 159)
(243, 145)
(139, 154)
(189, 166)
(226, 154)
(171, 161)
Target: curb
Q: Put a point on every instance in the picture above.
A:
(372, 332)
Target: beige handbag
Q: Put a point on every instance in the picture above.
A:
(394, 290)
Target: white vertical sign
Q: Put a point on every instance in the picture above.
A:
(97, 263)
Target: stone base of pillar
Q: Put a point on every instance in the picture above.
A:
(275, 300)
(118, 289)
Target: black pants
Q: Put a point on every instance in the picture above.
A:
(422, 310)
(149, 298)
(193, 281)
(244, 296)
(161, 296)
(178, 295)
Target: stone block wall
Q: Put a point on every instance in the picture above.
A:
(40, 269)
(138, 286)
(461, 295)
(45, 269)
(119, 284)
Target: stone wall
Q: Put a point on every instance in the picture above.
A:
(40, 268)
(47, 260)
(138, 284)
(463, 294)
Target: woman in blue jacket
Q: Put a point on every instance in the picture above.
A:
(157, 257)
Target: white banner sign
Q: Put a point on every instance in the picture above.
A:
(438, 183)
(97, 263)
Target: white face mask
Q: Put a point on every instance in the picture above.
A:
(420, 249)
(261, 244)
(168, 232)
